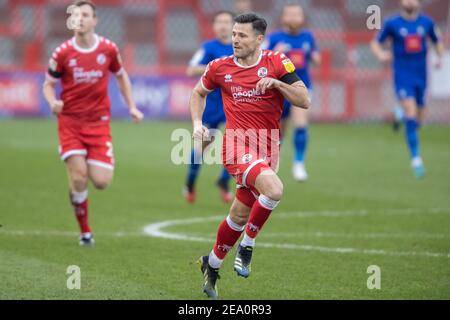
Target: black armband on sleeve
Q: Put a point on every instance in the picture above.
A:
(290, 78)
(54, 74)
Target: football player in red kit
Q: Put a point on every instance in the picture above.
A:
(254, 84)
(82, 64)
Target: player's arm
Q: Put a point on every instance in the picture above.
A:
(290, 86)
(316, 56)
(377, 45)
(124, 83)
(195, 71)
(440, 51)
(198, 63)
(49, 89)
(54, 73)
(197, 107)
(438, 45)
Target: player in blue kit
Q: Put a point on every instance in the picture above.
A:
(408, 34)
(214, 115)
(300, 46)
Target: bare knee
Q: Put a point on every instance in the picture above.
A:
(78, 179)
(239, 216)
(275, 191)
(101, 183)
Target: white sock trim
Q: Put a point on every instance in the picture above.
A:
(79, 197)
(267, 203)
(247, 241)
(214, 261)
(233, 225)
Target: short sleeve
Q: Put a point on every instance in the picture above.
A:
(434, 33)
(283, 65)
(116, 64)
(314, 47)
(201, 57)
(208, 80)
(55, 69)
(384, 33)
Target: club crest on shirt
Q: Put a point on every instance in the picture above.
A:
(262, 72)
(101, 59)
(247, 158)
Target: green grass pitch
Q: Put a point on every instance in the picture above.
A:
(361, 207)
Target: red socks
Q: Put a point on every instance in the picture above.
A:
(80, 205)
(228, 234)
(259, 214)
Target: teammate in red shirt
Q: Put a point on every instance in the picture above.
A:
(254, 84)
(83, 64)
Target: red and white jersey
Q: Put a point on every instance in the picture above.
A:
(84, 75)
(244, 106)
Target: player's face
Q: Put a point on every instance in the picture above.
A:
(245, 40)
(410, 6)
(223, 26)
(88, 20)
(293, 17)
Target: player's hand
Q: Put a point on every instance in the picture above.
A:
(201, 133)
(385, 57)
(57, 106)
(136, 115)
(267, 84)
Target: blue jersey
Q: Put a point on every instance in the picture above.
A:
(409, 45)
(211, 50)
(300, 49)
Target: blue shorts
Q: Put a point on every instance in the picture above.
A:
(287, 107)
(407, 91)
(213, 122)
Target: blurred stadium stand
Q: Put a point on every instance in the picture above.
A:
(158, 37)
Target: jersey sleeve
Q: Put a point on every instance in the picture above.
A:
(55, 69)
(385, 32)
(116, 64)
(208, 80)
(434, 33)
(314, 47)
(269, 43)
(283, 65)
(201, 57)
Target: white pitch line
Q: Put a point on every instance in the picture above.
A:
(157, 230)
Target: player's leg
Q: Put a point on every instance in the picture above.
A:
(194, 171)
(223, 182)
(228, 234)
(77, 172)
(411, 134)
(285, 117)
(268, 190)
(300, 122)
(100, 174)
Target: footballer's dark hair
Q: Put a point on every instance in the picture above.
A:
(88, 3)
(259, 24)
(221, 12)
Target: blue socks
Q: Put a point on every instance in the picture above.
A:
(300, 143)
(194, 169)
(224, 176)
(412, 139)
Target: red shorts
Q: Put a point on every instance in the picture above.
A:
(92, 140)
(245, 168)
